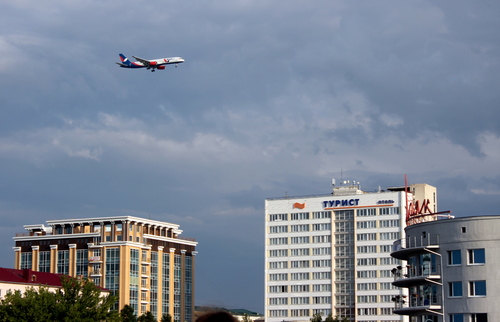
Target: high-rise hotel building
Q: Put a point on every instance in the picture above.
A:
(330, 254)
(144, 261)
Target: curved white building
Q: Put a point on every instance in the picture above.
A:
(452, 272)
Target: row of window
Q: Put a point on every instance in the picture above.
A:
(308, 312)
(339, 215)
(339, 238)
(339, 275)
(339, 226)
(340, 263)
(339, 251)
(474, 257)
(384, 286)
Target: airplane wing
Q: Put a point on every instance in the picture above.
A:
(142, 60)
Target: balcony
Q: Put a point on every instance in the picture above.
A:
(418, 304)
(403, 248)
(416, 275)
(95, 272)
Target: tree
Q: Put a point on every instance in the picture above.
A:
(77, 300)
(166, 317)
(147, 317)
(81, 300)
(316, 318)
(330, 318)
(127, 314)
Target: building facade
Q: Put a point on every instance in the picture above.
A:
(452, 270)
(145, 262)
(330, 254)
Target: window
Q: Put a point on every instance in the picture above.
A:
(301, 312)
(278, 277)
(321, 275)
(477, 288)
(322, 300)
(454, 257)
(299, 276)
(278, 229)
(367, 274)
(366, 261)
(322, 288)
(387, 286)
(367, 311)
(322, 214)
(278, 265)
(300, 216)
(343, 226)
(278, 289)
(344, 275)
(299, 264)
(343, 238)
(389, 236)
(299, 252)
(455, 289)
(479, 317)
(476, 256)
(278, 301)
(322, 251)
(321, 239)
(367, 286)
(278, 241)
(366, 224)
(457, 317)
(321, 263)
(300, 288)
(389, 223)
(278, 217)
(299, 228)
(386, 311)
(362, 237)
(367, 299)
(343, 251)
(318, 227)
(300, 300)
(389, 211)
(278, 313)
(278, 253)
(299, 240)
(385, 248)
(390, 261)
(365, 212)
(367, 249)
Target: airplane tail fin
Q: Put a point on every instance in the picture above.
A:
(124, 60)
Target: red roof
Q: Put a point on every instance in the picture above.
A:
(27, 276)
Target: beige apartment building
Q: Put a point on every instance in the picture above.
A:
(145, 262)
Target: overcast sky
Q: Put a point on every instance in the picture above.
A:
(275, 98)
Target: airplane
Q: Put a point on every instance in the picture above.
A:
(149, 64)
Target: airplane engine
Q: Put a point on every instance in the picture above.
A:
(161, 67)
(153, 63)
